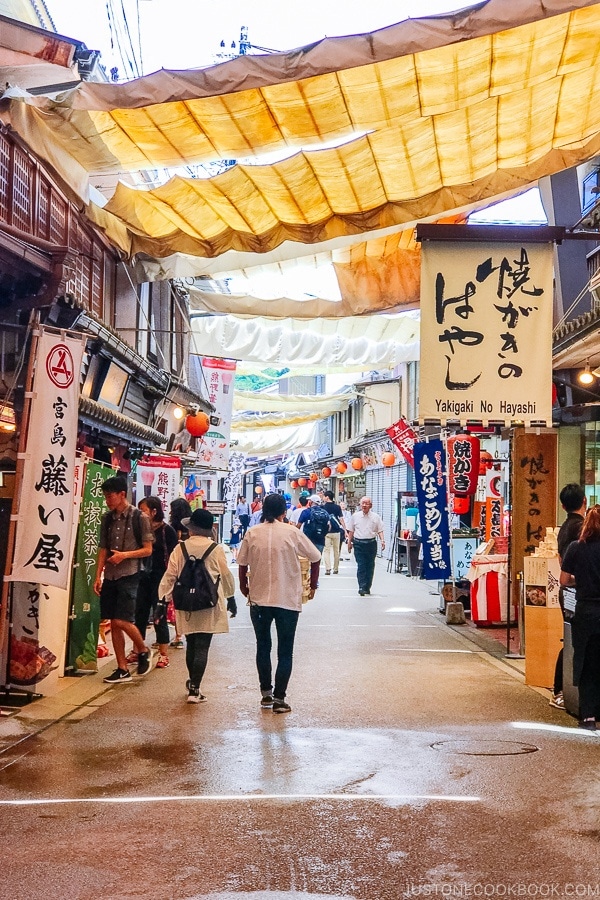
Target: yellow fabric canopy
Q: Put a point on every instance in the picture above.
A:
(447, 111)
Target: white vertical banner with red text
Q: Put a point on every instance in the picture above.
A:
(486, 332)
(213, 450)
(44, 533)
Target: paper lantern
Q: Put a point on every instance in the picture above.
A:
(302, 482)
(388, 459)
(198, 424)
(356, 463)
(341, 468)
(310, 484)
(314, 476)
(463, 464)
(486, 461)
(258, 489)
(461, 505)
(326, 472)
(294, 484)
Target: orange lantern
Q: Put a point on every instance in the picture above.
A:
(314, 476)
(341, 468)
(486, 461)
(356, 463)
(294, 484)
(461, 505)
(326, 472)
(198, 424)
(388, 459)
(463, 464)
(258, 489)
(302, 482)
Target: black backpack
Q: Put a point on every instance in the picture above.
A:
(317, 526)
(195, 589)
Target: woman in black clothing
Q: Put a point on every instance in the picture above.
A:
(581, 567)
(165, 540)
(180, 509)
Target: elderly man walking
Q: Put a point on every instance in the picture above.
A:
(364, 529)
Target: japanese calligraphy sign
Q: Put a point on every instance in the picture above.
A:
(158, 476)
(430, 477)
(214, 446)
(45, 518)
(403, 437)
(85, 605)
(486, 332)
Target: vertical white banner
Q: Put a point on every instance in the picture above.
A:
(214, 446)
(44, 535)
(486, 332)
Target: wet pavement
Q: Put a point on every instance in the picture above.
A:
(414, 763)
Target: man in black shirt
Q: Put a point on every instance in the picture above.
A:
(331, 553)
(573, 500)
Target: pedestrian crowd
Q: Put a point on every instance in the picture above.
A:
(176, 573)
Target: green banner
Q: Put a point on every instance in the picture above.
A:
(85, 605)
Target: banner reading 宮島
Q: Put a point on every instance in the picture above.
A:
(432, 497)
(45, 517)
(486, 332)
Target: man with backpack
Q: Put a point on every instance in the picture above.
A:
(315, 522)
(333, 540)
(126, 539)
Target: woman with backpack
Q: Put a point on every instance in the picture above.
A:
(200, 625)
(270, 554)
(180, 509)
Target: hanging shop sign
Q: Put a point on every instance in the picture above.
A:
(486, 332)
(404, 438)
(158, 476)
(463, 464)
(432, 495)
(45, 517)
(213, 450)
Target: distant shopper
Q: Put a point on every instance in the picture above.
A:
(314, 522)
(581, 566)
(256, 516)
(572, 498)
(271, 579)
(242, 512)
(295, 514)
(235, 538)
(125, 540)
(147, 602)
(364, 529)
(334, 538)
(200, 626)
(180, 510)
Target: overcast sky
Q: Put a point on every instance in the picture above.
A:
(182, 34)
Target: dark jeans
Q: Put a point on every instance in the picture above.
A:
(244, 520)
(146, 600)
(364, 554)
(558, 673)
(286, 621)
(196, 655)
(589, 680)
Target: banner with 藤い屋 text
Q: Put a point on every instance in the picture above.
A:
(486, 332)
(45, 517)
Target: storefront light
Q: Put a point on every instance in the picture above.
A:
(178, 413)
(586, 376)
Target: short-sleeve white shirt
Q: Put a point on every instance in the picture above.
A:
(366, 527)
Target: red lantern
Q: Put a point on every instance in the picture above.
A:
(461, 505)
(486, 461)
(463, 464)
(314, 476)
(302, 482)
(388, 459)
(294, 484)
(341, 468)
(258, 489)
(198, 424)
(326, 472)
(356, 463)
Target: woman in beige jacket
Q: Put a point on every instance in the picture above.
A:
(200, 626)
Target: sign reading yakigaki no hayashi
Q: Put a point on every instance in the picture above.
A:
(486, 332)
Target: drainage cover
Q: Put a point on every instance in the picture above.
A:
(485, 748)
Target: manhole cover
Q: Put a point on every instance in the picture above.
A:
(485, 748)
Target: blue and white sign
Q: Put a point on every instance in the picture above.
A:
(430, 476)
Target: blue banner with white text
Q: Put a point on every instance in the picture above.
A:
(432, 495)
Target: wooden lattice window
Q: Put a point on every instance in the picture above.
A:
(4, 178)
(58, 219)
(43, 226)
(21, 190)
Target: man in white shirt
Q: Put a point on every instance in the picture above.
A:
(295, 514)
(364, 529)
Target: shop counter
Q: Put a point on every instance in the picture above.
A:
(489, 583)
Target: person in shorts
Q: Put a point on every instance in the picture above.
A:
(123, 544)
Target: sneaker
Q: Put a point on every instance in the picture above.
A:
(143, 666)
(558, 701)
(588, 724)
(328, 571)
(132, 658)
(162, 662)
(177, 645)
(119, 676)
(361, 593)
(280, 706)
(194, 695)
(335, 571)
(266, 701)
